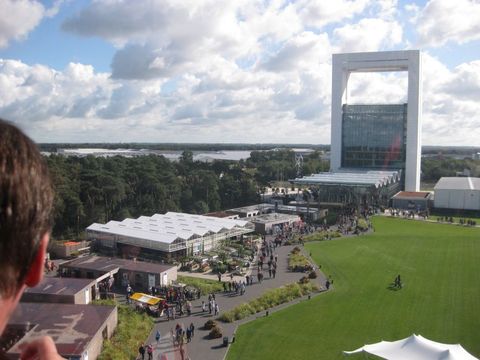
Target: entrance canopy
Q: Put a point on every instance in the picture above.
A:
(415, 347)
(371, 178)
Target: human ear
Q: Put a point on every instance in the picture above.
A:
(35, 273)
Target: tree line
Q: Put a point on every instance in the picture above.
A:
(97, 189)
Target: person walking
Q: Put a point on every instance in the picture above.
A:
(217, 309)
(150, 351)
(192, 329)
(157, 336)
(141, 351)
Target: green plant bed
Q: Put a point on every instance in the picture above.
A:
(438, 264)
(132, 329)
(298, 262)
(205, 286)
(268, 300)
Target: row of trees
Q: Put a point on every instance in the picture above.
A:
(96, 189)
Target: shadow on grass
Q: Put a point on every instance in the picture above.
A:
(393, 287)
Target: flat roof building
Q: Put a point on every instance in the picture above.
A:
(457, 193)
(273, 222)
(140, 275)
(412, 200)
(77, 330)
(62, 290)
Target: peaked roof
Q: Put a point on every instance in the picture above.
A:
(415, 347)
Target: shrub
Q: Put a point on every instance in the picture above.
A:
(295, 250)
(215, 333)
(362, 225)
(210, 324)
(304, 280)
(312, 275)
(227, 317)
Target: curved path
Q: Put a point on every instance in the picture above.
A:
(201, 347)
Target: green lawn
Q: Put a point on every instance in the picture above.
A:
(440, 268)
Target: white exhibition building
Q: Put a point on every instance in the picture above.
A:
(458, 193)
(168, 235)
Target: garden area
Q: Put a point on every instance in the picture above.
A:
(133, 328)
(232, 257)
(205, 286)
(438, 264)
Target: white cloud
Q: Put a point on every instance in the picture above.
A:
(441, 21)
(319, 13)
(18, 18)
(235, 71)
(369, 34)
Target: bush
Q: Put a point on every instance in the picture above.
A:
(296, 250)
(362, 225)
(304, 280)
(215, 333)
(219, 268)
(210, 324)
(312, 275)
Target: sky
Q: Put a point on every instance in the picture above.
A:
(243, 71)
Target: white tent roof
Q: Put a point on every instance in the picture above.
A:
(351, 178)
(415, 347)
(168, 227)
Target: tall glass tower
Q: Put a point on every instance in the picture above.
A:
(381, 137)
(374, 136)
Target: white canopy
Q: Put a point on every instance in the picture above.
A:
(415, 347)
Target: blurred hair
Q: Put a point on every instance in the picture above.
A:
(26, 201)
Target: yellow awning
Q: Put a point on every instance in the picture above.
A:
(145, 299)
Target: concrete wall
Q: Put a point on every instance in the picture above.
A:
(80, 297)
(95, 347)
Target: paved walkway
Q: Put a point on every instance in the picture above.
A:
(203, 348)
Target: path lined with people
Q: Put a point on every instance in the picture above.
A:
(199, 346)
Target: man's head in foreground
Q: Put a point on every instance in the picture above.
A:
(26, 200)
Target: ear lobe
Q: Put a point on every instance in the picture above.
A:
(35, 274)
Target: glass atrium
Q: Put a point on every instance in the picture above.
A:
(374, 136)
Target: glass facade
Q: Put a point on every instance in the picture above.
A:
(374, 136)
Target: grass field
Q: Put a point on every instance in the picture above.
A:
(440, 268)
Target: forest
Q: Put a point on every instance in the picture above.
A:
(97, 189)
